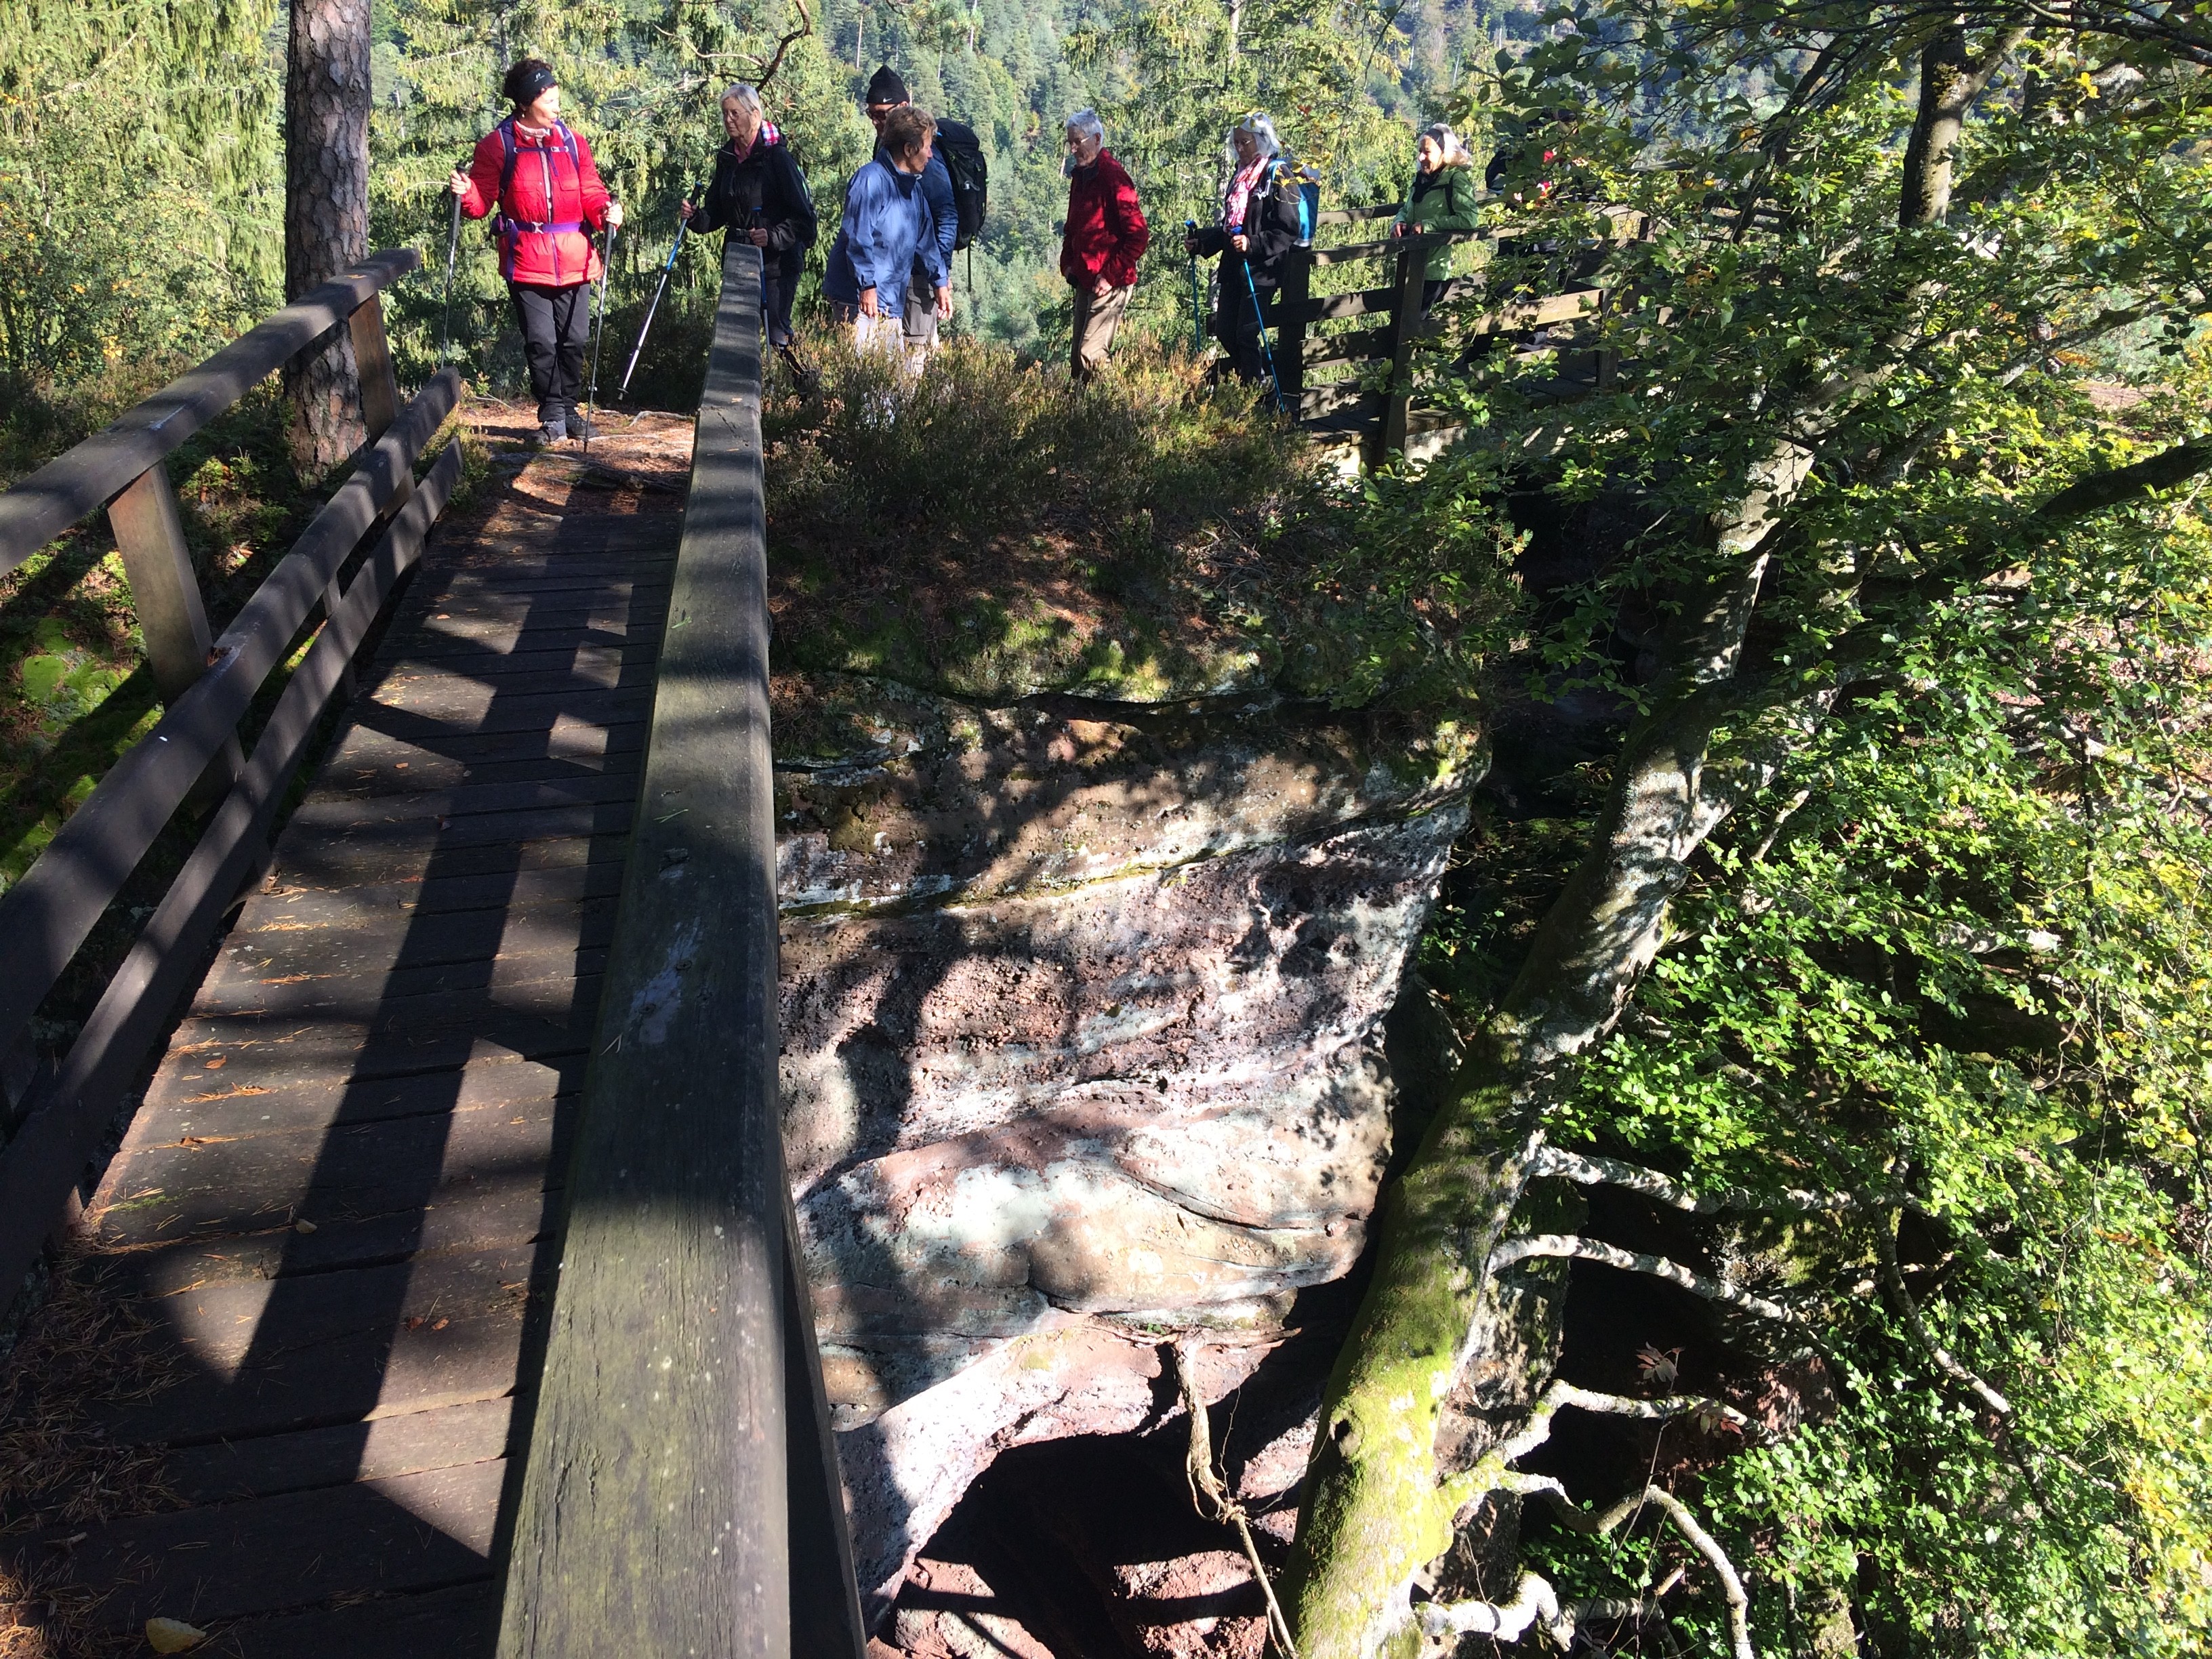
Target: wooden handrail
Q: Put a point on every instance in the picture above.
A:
(95, 471)
(208, 687)
(680, 1495)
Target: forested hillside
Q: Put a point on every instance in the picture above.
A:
(141, 173)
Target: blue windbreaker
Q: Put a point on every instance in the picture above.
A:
(888, 225)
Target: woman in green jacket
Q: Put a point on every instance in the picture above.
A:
(1443, 197)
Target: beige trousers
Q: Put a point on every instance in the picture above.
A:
(1096, 317)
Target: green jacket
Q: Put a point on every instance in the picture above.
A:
(1444, 200)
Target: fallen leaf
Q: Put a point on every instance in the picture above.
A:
(173, 1635)
(218, 1063)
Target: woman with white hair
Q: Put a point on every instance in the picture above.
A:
(1443, 197)
(1106, 235)
(760, 194)
(1265, 214)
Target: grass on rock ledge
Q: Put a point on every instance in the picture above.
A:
(990, 533)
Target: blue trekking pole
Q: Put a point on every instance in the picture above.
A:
(1266, 351)
(659, 288)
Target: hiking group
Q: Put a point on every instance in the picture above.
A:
(916, 202)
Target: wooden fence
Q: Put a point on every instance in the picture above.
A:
(1380, 412)
(681, 1493)
(207, 686)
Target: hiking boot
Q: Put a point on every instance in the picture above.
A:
(580, 427)
(551, 432)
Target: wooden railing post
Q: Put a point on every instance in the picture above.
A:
(1291, 331)
(1405, 323)
(380, 407)
(149, 532)
(372, 356)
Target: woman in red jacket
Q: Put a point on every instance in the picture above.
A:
(1106, 236)
(537, 173)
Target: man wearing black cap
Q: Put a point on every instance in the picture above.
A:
(927, 305)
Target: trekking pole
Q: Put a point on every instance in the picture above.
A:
(446, 310)
(659, 288)
(598, 333)
(1266, 351)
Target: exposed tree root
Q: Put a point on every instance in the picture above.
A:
(1209, 1496)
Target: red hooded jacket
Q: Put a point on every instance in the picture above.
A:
(1106, 230)
(552, 205)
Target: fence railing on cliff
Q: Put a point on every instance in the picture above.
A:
(681, 1493)
(347, 561)
(1380, 412)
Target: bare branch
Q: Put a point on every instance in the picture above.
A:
(1589, 1169)
(1562, 1245)
(1533, 1602)
(791, 38)
(1884, 1248)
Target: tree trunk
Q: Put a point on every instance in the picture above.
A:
(326, 101)
(1376, 1511)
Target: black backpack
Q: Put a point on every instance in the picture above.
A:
(971, 177)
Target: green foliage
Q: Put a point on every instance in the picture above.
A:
(137, 216)
(1951, 943)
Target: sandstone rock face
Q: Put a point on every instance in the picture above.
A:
(1081, 1051)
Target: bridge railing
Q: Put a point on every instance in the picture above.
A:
(207, 686)
(1381, 415)
(681, 1494)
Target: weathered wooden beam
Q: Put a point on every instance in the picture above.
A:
(165, 592)
(45, 915)
(71, 485)
(68, 1116)
(1405, 323)
(655, 1514)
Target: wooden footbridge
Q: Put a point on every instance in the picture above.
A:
(501, 1005)
(418, 1178)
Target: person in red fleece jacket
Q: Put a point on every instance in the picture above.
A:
(537, 171)
(1106, 236)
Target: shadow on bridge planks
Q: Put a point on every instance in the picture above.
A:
(387, 1052)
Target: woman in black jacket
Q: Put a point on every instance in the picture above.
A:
(759, 192)
(1263, 217)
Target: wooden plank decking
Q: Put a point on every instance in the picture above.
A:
(336, 1204)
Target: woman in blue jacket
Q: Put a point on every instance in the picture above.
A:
(888, 224)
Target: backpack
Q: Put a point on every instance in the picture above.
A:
(971, 177)
(512, 152)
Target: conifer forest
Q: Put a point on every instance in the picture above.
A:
(1787, 1226)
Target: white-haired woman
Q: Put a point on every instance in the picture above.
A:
(759, 193)
(1265, 214)
(1443, 197)
(1106, 235)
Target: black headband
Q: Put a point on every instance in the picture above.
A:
(534, 83)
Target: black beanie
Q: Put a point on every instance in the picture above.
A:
(884, 86)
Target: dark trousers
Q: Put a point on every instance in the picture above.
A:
(556, 326)
(776, 303)
(1237, 318)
